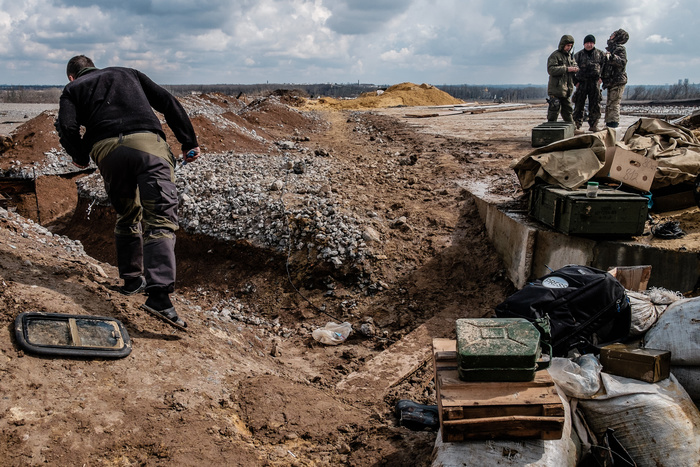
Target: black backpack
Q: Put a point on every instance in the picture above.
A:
(587, 308)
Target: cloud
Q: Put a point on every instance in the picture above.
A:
(658, 39)
(357, 17)
(380, 41)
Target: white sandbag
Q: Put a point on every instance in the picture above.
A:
(689, 377)
(658, 424)
(524, 453)
(647, 306)
(678, 330)
(578, 378)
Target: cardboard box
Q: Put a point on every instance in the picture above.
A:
(648, 365)
(635, 278)
(628, 168)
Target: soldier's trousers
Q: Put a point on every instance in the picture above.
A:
(612, 106)
(557, 105)
(139, 176)
(587, 90)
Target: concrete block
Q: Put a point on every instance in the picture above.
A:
(512, 239)
(555, 250)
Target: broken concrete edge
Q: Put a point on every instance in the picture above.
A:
(530, 250)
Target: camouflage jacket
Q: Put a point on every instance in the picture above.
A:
(590, 65)
(614, 71)
(561, 82)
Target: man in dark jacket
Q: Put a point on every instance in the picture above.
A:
(590, 63)
(561, 67)
(615, 76)
(124, 137)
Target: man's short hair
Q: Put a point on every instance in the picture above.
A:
(76, 64)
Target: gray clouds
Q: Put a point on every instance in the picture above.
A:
(307, 41)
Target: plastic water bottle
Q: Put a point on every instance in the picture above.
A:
(332, 333)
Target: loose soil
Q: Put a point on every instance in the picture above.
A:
(256, 390)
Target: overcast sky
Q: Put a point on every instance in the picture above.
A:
(340, 41)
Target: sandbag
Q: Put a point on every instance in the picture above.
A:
(648, 306)
(658, 424)
(678, 330)
(689, 377)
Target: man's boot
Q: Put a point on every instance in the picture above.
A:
(593, 127)
(158, 304)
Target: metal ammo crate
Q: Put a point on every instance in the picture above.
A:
(611, 212)
(497, 349)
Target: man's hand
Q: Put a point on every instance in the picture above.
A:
(572, 69)
(191, 155)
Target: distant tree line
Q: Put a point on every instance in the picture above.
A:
(30, 94)
(506, 93)
(350, 90)
(682, 90)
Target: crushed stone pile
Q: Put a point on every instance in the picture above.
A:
(403, 94)
(267, 200)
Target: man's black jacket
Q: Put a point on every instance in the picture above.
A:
(113, 101)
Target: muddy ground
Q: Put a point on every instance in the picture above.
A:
(252, 387)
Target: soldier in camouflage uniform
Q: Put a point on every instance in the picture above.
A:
(615, 76)
(561, 67)
(590, 63)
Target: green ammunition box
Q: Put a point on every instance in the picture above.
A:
(549, 132)
(648, 365)
(497, 349)
(611, 212)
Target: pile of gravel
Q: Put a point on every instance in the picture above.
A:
(267, 200)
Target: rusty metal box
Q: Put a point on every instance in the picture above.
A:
(497, 349)
(648, 365)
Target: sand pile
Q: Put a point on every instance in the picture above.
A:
(407, 94)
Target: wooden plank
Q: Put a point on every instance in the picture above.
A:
(421, 115)
(449, 377)
(74, 334)
(500, 397)
(509, 422)
(475, 433)
(467, 413)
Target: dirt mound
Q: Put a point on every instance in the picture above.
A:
(31, 140)
(222, 123)
(404, 94)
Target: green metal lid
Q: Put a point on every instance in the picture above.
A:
(497, 343)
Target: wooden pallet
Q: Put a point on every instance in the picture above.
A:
(489, 410)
